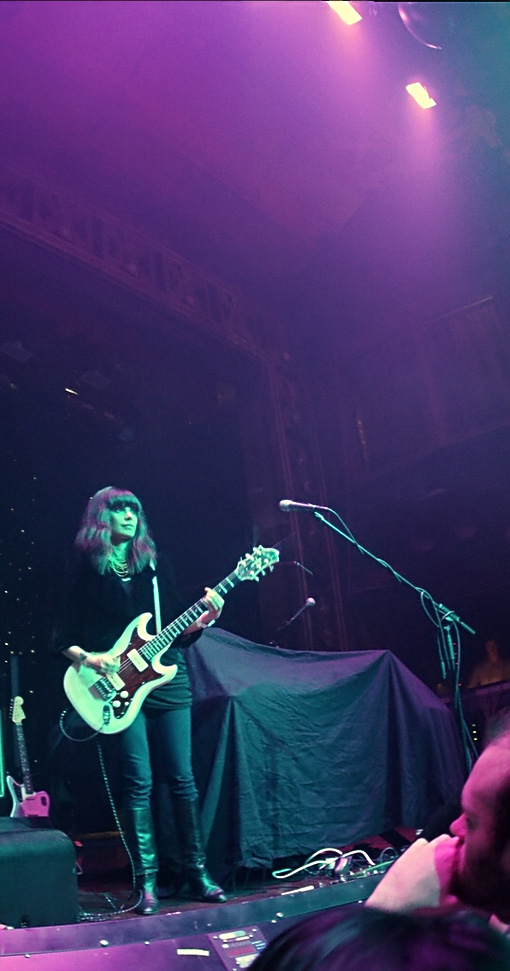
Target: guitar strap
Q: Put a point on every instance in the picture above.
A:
(157, 605)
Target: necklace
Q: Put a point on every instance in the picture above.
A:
(121, 568)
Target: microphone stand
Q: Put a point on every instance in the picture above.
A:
(440, 615)
(445, 613)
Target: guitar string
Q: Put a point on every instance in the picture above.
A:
(200, 605)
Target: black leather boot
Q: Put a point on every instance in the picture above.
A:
(189, 829)
(139, 832)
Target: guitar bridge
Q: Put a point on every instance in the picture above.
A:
(104, 689)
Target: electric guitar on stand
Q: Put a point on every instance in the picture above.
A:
(109, 703)
(25, 802)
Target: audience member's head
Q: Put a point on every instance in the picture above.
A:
(492, 650)
(482, 870)
(497, 726)
(494, 667)
(356, 938)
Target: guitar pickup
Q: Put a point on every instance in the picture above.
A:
(137, 660)
(115, 681)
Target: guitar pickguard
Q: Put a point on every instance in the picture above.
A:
(134, 674)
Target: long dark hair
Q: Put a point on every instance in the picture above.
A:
(94, 538)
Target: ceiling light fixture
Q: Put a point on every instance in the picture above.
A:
(345, 11)
(420, 94)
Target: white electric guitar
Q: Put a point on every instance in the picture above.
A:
(109, 703)
(25, 802)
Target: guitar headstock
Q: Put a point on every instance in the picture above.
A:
(17, 713)
(255, 564)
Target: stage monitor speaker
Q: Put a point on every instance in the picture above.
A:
(38, 882)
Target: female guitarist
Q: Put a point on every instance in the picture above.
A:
(114, 582)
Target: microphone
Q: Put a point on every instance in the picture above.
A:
(309, 602)
(287, 504)
(305, 568)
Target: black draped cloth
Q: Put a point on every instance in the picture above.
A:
(297, 751)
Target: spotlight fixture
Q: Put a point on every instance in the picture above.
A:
(345, 11)
(420, 95)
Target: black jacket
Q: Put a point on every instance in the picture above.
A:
(99, 608)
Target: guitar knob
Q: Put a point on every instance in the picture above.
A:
(124, 694)
(116, 704)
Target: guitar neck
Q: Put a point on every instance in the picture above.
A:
(161, 641)
(23, 756)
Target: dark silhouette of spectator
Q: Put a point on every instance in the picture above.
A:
(493, 669)
(357, 938)
(471, 867)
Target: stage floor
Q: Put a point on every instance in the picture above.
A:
(105, 886)
(114, 899)
(109, 934)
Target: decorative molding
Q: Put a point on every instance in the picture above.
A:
(54, 218)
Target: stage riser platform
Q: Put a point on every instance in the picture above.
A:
(152, 942)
